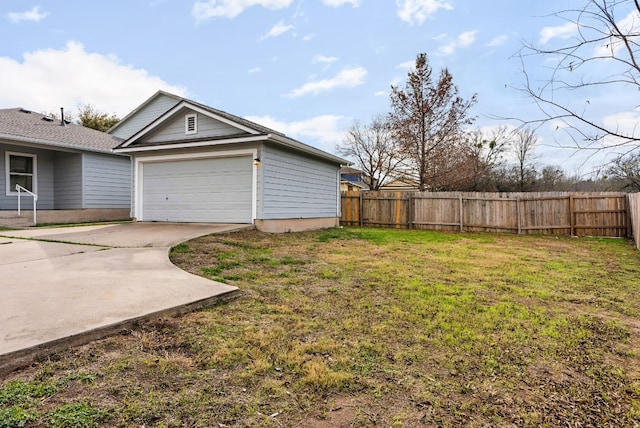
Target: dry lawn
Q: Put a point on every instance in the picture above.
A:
(367, 327)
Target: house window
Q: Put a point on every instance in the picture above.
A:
(20, 169)
(191, 124)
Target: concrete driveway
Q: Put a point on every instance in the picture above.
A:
(66, 286)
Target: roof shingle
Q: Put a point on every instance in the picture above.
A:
(17, 124)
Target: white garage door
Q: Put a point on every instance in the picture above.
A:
(202, 190)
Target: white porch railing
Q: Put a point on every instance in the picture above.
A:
(19, 188)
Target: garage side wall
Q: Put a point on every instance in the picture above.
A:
(297, 187)
(107, 181)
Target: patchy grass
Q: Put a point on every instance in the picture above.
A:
(367, 327)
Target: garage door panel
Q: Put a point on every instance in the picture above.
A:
(202, 190)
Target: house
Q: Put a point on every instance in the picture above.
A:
(401, 185)
(352, 180)
(194, 163)
(68, 166)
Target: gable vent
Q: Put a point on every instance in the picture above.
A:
(191, 124)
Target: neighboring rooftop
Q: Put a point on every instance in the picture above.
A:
(25, 126)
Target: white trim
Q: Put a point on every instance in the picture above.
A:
(188, 145)
(139, 174)
(187, 130)
(160, 120)
(7, 175)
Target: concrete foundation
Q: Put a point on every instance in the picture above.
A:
(10, 218)
(296, 224)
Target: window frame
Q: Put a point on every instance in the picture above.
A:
(8, 174)
(187, 131)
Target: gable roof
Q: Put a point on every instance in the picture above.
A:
(24, 126)
(246, 130)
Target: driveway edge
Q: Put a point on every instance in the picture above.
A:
(24, 357)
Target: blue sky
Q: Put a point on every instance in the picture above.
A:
(304, 67)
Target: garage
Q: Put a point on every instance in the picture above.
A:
(196, 164)
(212, 190)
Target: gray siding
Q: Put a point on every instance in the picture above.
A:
(107, 181)
(207, 127)
(45, 178)
(68, 181)
(145, 116)
(296, 186)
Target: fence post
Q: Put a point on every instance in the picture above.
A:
(360, 206)
(572, 220)
(518, 215)
(396, 221)
(627, 216)
(410, 211)
(461, 212)
(345, 207)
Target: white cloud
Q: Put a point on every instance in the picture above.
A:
(34, 15)
(324, 59)
(323, 132)
(629, 25)
(255, 70)
(49, 79)
(498, 41)
(347, 78)
(417, 11)
(337, 3)
(564, 31)
(231, 8)
(625, 123)
(406, 65)
(277, 30)
(380, 94)
(462, 41)
(440, 37)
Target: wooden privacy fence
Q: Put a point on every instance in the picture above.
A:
(634, 213)
(575, 214)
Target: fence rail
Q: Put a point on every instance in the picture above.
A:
(576, 214)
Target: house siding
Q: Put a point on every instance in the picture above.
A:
(68, 181)
(107, 181)
(45, 179)
(297, 186)
(207, 127)
(145, 116)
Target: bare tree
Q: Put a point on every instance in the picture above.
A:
(602, 54)
(427, 119)
(373, 149)
(485, 153)
(523, 147)
(552, 178)
(626, 171)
